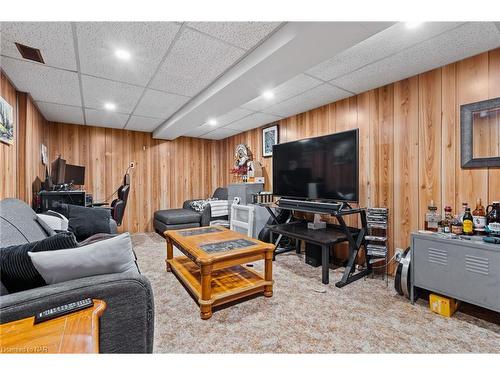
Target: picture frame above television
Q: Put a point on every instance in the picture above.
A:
(270, 137)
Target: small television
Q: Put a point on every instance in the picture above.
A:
(58, 170)
(322, 168)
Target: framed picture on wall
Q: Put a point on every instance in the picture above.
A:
(6, 122)
(270, 137)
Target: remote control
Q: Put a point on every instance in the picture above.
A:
(63, 310)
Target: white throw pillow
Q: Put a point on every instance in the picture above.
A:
(59, 222)
(114, 255)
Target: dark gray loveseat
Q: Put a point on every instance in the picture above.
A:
(128, 322)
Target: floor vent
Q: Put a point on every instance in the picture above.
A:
(30, 53)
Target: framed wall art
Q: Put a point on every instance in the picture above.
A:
(6, 122)
(270, 137)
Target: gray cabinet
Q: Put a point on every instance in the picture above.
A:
(467, 270)
(244, 192)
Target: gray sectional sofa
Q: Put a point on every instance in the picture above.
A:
(127, 324)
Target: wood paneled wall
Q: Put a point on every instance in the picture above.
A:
(21, 162)
(409, 141)
(8, 153)
(166, 172)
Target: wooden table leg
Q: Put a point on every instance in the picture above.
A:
(170, 253)
(206, 292)
(268, 273)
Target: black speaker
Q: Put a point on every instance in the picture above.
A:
(313, 255)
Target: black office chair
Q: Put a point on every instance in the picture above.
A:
(118, 205)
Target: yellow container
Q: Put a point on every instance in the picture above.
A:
(442, 305)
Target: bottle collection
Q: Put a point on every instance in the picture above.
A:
(481, 221)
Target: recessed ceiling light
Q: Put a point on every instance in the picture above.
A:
(413, 24)
(122, 54)
(212, 122)
(268, 94)
(109, 106)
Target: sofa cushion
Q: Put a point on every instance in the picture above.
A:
(86, 221)
(114, 255)
(18, 223)
(177, 216)
(18, 272)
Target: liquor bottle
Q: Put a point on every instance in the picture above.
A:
(468, 222)
(446, 222)
(479, 217)
(464, 207)
(432, 218)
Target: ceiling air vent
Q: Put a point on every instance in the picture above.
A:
(30, 53)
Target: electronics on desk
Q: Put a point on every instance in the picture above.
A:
(64, 175)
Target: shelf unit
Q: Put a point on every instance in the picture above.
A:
(376, 238)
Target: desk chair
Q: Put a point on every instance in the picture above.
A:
(118, 205)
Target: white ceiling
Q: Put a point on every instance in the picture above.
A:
(170, 63)
(180, 75)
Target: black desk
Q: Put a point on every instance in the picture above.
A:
(325, 238)
(52, 200)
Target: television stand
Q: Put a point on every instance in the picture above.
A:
(330, 236)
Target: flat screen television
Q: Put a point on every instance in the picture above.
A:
(321, 168)
(74, 174)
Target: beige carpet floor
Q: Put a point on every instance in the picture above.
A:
(304, 316)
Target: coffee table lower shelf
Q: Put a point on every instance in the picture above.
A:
(226, 285)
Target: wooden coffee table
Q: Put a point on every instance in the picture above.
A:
(212, 265)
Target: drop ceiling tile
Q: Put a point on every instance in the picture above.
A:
(146, 41)
(232, 116)
(53, 39)
(252, 121)
(105, 118)
(313, 98)
(220, 133)
(199, 131)
(467, 40)
(97, 91)
(144, 124)
(242, 34)
(383, 44)
(42, 82)
(286, 90)
(159, 104)
(193, 63)
(61, 113)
